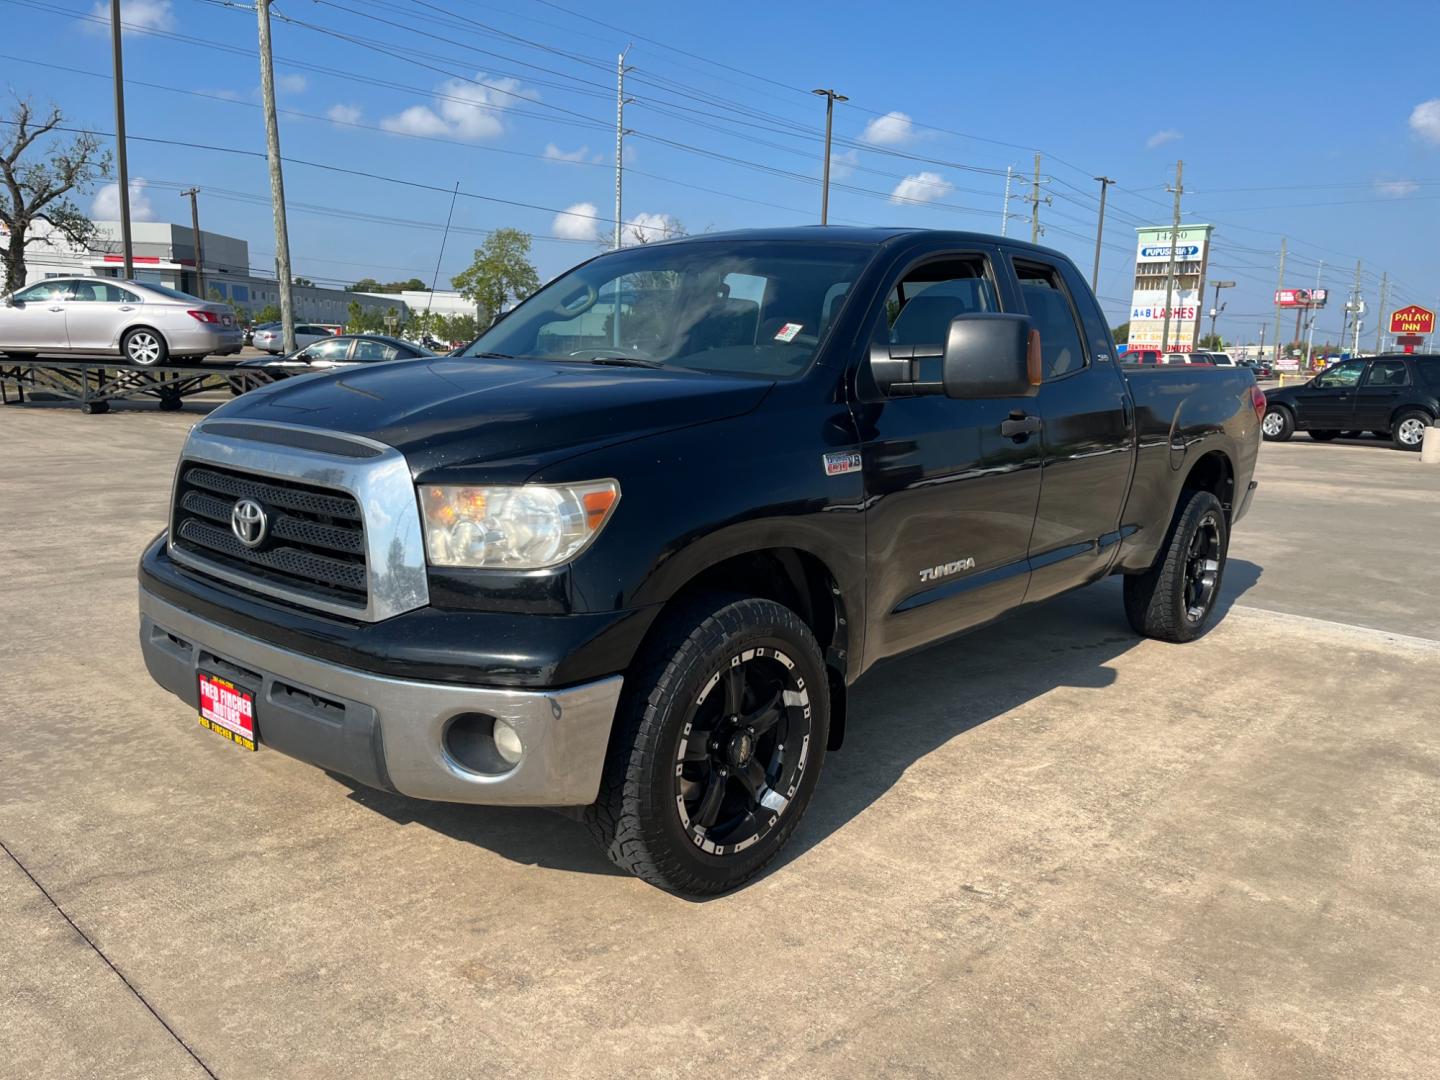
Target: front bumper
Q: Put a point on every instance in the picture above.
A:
(387, 732)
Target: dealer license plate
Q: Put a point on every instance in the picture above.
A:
(227, 710)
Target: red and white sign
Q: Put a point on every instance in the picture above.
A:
(1412, 320)
(1302, 298)
(227, 710)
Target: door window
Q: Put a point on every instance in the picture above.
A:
(920, 307)
(1341, 375)
(1051, 312)
(331, 349)
(1387, 373)
(370, 351)
(44, 290)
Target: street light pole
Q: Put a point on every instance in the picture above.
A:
(122, 164)
(830, 97)
(1105, 182)
(1215, 308)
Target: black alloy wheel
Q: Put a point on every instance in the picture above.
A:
(742, 751)
(1202, 566)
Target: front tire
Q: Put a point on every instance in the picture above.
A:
(1278, 424)
(144, 347)
(1175, 599)
(1409, 430)
(718, 745)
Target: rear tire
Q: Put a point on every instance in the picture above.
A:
(1175, 599)
(1324, 435)
(1278, 424)
(1409, 430)
(718, 745)
(144, 347)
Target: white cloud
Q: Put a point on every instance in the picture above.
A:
(106, 206)
(1425, 120)
(570, 157)
(922, 187)
(1160, 138)
(1396, 189)
(578, 222)
(892, 129)
(652, 227)
(842, 166)
(462, 109)
(135, 15)
(291, 84)
(344, 114)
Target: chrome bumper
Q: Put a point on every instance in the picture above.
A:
(388, 732)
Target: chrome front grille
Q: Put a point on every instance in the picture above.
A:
(315, 490)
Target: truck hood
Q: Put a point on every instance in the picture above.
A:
(510, 417)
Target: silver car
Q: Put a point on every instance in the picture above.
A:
(271, 339)
(146, 324)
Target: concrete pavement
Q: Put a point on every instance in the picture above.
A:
(1048, 849)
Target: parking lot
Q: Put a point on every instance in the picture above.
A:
(1048, 849)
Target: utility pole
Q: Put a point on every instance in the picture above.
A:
(1278, 309)
(1359, 303)
(1005, 206)
(1105, 183)
(619, 144)
(1380, 311)
(199, 246)
(1179, 190)
(277, 181)
(121, 160)
(1261, 356)
(1310, 340)
(1352, 304)
(1035, 229)
(830, 97)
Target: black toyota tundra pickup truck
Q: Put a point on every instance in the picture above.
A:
(628, 553)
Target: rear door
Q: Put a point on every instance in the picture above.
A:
(1327, 402)
(1087, 443)
(1379, 393)
(95, 313)
(950, 498)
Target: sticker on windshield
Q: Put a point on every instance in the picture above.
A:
(788, 331)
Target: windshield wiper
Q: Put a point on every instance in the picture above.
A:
(622, 361)
(490, 355)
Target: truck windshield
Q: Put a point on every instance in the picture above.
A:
(746, 307)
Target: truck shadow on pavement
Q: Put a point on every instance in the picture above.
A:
(901, 711)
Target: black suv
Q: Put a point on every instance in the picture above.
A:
(1395, 397)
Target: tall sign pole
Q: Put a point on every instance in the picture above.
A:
(121, 161)
(277, 181)
(1178, 189)
(1105, 183)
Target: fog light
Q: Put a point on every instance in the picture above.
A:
(507, 742)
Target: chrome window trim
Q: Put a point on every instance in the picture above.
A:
(390, 514)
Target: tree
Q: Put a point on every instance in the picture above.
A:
(369, 284)
(500, 275)
(1121, 333)
(38, 190)
(302, 281)
(1211, 341)
(268, 313)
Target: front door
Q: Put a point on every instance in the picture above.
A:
(1088, 440)
(950, 499)
(1327, 402)
(1378, 394)
(34, 319)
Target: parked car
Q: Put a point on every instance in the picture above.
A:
(250, 331)
(1141, 356)
(1260, 368)
(145, 324)
(272, 338)
(628, 555)
(337, 351)
(1220, 359)
(1395, 397)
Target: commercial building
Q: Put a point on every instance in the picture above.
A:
(1147, 302)
(164, 254)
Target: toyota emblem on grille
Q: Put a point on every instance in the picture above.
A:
(248, 522)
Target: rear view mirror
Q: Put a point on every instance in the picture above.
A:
(990, 355)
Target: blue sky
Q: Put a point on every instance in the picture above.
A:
(1310, 122)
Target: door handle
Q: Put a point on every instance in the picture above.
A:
(125, 307)
(1019, 425)
(57, 308)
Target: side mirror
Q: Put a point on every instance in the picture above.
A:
(9, 300)
(991, 355)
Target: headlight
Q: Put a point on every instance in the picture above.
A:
(515, 528)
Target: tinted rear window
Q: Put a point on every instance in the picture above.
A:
(1429, 369)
